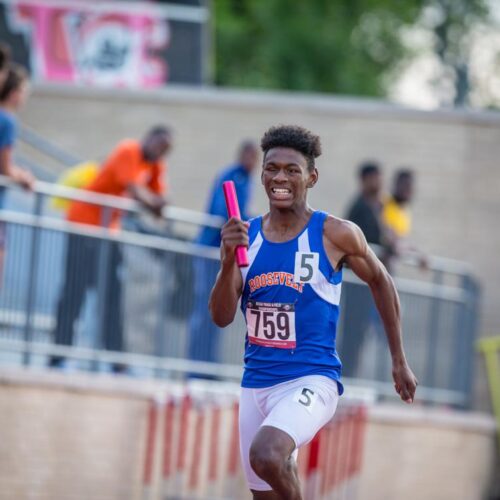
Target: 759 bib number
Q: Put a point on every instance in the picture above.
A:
(271, 324)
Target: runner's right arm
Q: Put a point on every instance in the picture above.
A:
(228, 286)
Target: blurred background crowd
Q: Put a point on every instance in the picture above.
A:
(119, 122)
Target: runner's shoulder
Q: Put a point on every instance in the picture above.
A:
(344, 234)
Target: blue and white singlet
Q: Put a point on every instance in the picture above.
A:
(290, 300)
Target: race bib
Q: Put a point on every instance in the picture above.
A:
(271, 324)
(306, 267)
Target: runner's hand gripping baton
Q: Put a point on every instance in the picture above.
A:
(233, 210)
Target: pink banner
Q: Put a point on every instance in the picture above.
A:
(82, 46)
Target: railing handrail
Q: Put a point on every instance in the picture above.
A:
(435, 263)
(183, 365)
(146, 241)
(47, 147)
(185, 215)
(118, 202)
(151, 242)
(422, 288)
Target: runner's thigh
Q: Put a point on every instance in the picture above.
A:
(250, 420)
(302, 407)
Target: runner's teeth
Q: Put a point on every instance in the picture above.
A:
(281, 191)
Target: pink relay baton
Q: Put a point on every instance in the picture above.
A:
(233, 210)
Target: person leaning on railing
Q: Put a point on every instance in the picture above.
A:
(13, 93)
(397, 221)
(134, 169)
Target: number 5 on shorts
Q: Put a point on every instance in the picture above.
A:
(306, 397)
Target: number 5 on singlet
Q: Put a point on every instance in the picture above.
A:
(271, 324)
(306, 267)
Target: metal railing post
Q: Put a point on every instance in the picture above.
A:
(32, 279)
(381, 348)
(163, 296)
(433, 329)
(103, 258)
(470, 328)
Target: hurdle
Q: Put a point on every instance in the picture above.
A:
(192, 450)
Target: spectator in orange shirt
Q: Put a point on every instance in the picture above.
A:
(133, 169)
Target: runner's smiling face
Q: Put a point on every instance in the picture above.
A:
(286, 177)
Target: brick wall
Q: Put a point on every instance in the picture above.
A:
(414, 453)
(63, 440)
(80, 437)
(455, 154)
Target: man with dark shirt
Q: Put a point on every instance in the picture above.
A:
(366, 208)
(365, 211)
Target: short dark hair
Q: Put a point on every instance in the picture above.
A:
(16, 76)
(246, 145)
(368, 168)
(403, 174)
(4, 56)
(158, 130)
(294, 137)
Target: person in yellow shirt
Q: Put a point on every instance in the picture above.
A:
(397, 220)
(395, 214)
(79, 176)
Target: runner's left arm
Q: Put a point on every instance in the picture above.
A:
(363, 262)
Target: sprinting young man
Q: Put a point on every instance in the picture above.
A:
(290, 296)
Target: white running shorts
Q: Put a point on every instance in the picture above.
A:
(300, 407)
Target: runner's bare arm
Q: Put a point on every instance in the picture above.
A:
(347, 242)
(228, 286)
